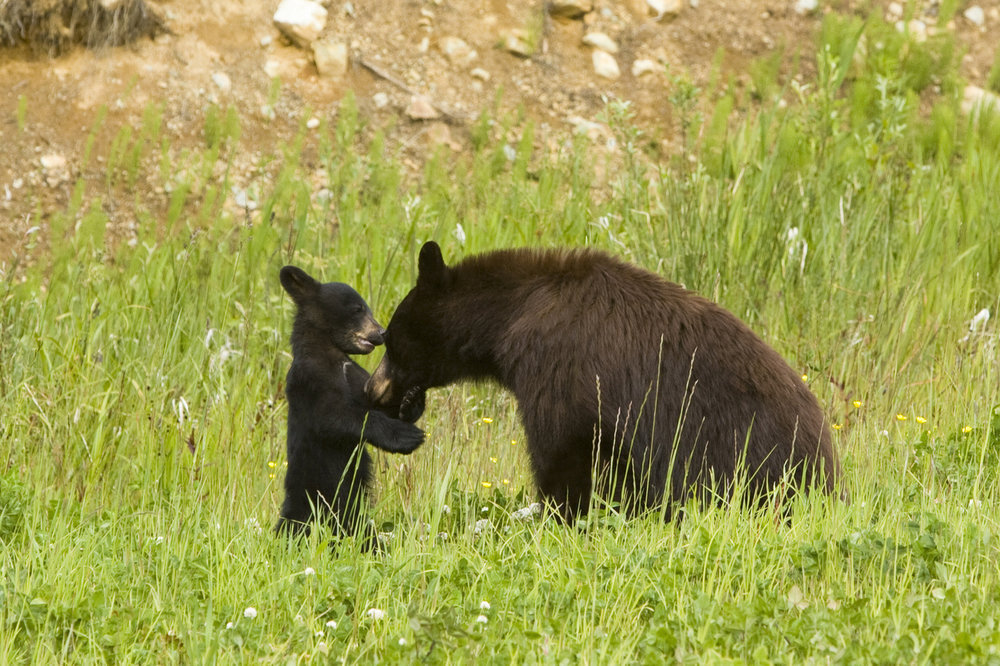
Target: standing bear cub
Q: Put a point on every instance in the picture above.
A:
(620, 376)
(329, 420)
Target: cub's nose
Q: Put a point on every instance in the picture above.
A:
(377, 337)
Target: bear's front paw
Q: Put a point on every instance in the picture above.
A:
(412, 406)
(410, 439)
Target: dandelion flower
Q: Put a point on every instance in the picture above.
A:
(505, 481)
(375, 614)
(272, 464)
(493, 459)
(482, 619)
(857, 404)
(487, 419)
(249, 612)
(331, 624)
(487, 484)
(921, 420)
(805, 377)
(484, 605)
(309, 571)
(513, 442)
(901, 417)
(967, 429)
(837, 426)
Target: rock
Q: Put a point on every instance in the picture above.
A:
(222, 81)
(976, 100)
(420, 108)
(570, 9)
(312, 123)
(438, 134)
(301, 21)
(601, 41)
(457, 51)
(272, 67)
(381, 100)
(481, 74)
(644, 66)
(664, 8)
(975, 15)
(916, 28)
(803, 7)
(516, 42)
(894, 12)
(331, 58)
(605, 64)
(54, 166)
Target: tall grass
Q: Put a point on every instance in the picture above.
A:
(142, 413)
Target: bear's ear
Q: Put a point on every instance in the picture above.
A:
(297, 282)
(430, 266)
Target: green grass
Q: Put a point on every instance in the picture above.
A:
(142, 413)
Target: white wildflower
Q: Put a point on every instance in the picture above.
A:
(482, 525)
(309, 571)
(460, 234)
(331, 624)
(484, 605)
(527, 512)
(482, 619)
(978, 322)
(375, 614)
(250, 612)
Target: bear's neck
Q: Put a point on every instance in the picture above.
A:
(308, 343)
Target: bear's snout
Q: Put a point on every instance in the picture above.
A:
(378, 387)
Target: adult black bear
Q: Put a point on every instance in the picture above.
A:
(674, 395)
(329, 421)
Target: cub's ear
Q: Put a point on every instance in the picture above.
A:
(430, 266)
(297, 282)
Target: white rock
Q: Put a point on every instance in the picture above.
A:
(601, 41)
(222, 80)
(516, 43)
(53, 162)
(661, 8)
(272, 67)
(570, 8)
(301, 21)
(806, 6)
(312, 123)
(644, 66)
(605, 64)
(977, 100)
(420, 108)
(975, 15)
(381, 100)
(895, 11)
(331, 58)
(480, 73)
(916, 28)
(457, 50)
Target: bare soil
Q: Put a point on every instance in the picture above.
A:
(49, 105)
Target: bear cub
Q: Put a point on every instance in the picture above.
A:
(329, 418)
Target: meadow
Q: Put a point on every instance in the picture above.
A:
(854, 227)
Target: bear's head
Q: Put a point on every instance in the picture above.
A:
(331, 313)
(416, 354)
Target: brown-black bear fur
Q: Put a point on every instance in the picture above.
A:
(676, 395)
(329, 420)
